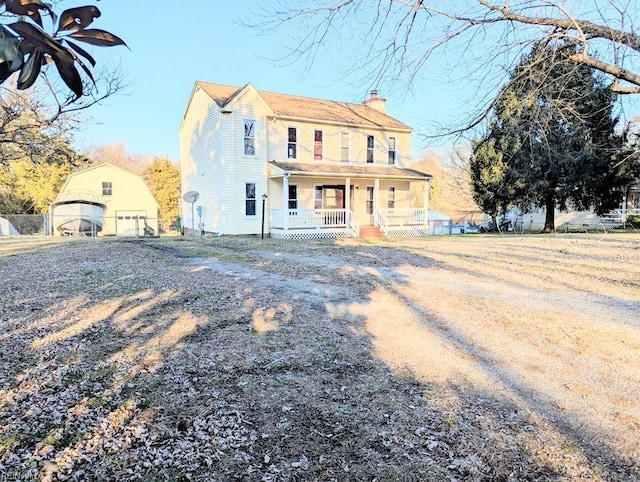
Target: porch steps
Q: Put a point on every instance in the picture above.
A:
(370, 232)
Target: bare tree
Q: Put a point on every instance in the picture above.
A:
(451, 188)
(116, 153)
(47, 110)
(399, 38)
(47, 79)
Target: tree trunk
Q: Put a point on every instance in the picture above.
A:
(549, 217)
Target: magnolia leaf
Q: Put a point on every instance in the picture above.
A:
(29, 8)
(66, 68)
(80, 51)
(98, 37)
(30, 70)
(37, 38)
(86, 70)
(11, 56)
(78, 18)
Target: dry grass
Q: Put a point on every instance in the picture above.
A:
(460, 358)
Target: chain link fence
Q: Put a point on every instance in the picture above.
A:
(121, 225)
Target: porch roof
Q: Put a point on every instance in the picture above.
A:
(346, 170)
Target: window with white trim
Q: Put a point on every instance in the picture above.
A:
(250, 199)
(317, 145)
(391, 197)
(293, 196)
(370, 145)
(292, 143)
(392, 150)
(317, 197)
(344, 147)
(249, 137)
(369, 200)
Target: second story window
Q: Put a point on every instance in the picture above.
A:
(370, 144)
(292, 147)
(344, 147)
(317, 145)
(249, 137)
(107, 188)
(392, 150)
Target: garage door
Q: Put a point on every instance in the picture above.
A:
(130, 223)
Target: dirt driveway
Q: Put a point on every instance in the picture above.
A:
(453, 358)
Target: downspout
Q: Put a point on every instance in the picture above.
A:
(376, 199)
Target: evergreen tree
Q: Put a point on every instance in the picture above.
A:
(163, 179)
(552, 140)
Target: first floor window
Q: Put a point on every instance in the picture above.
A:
(249, 137)
(293, 196)
(391, 197)
(369, 201)
(370, 144)
(317, 198)
(250, 199)
(292, 147)
(107, 188)
(317, 145)
(392, 150)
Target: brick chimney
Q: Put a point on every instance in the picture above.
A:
(376, 102)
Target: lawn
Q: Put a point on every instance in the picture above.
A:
(450, 358)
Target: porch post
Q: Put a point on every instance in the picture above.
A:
(347, 201)
(427, 184)
(285, 202)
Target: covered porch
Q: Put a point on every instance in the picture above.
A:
(343, 200)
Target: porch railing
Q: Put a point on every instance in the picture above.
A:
(399, 217)
(309, 218)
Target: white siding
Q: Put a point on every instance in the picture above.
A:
(201, 162)
(243, 168)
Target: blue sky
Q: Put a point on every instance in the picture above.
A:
(174, 46)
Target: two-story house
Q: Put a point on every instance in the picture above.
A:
(296, 167)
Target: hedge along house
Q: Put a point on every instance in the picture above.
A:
(104, 200)
(316, 168)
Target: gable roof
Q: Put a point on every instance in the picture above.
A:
(101, 166)
(285, 105)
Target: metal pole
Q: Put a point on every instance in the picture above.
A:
(193, 229)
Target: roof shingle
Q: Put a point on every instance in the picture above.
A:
(310, 108)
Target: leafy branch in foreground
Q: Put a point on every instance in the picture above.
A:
(26, 47)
